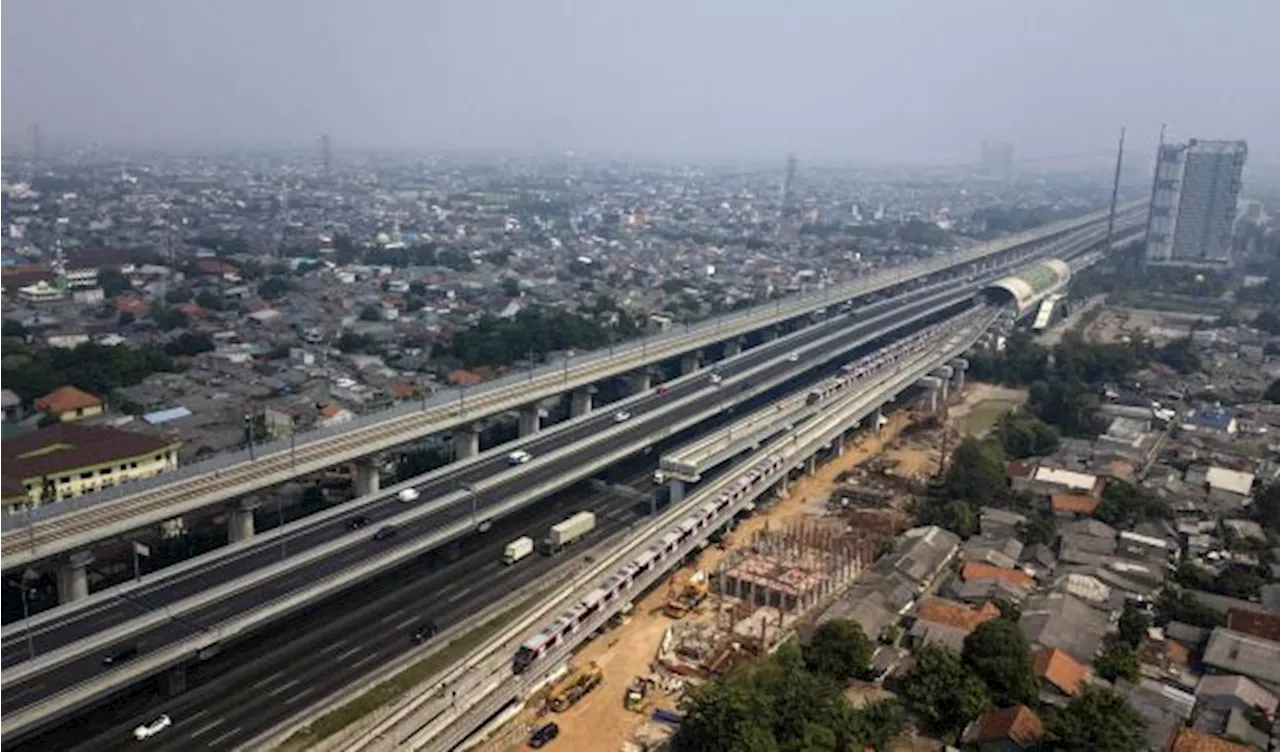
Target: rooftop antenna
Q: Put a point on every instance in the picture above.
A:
(326, 154)
(1115, 190)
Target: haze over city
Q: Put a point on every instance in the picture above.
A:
(920, 82)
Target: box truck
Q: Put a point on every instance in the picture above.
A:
(568, 531)
(517, 550)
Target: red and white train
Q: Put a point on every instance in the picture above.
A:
(617, 585)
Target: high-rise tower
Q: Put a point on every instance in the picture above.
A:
(1193, 202)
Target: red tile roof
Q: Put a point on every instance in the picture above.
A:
(1256, 623)
(1059, 669)
(1018, 724)
(66, 399)
(1193, 740)
(956, 615)
(977, 570)
(1073, 504)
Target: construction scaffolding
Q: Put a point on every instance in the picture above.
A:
(791, 570)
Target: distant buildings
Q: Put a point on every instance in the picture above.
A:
(997, 161)
(1193, 203)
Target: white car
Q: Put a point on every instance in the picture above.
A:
(148, 730)
(518, 457)
(408, 494)
(622, 416)
(715, 378)
(793, 357)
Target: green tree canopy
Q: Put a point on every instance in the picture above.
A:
(1000, 656)
(1117, 660)
(977, 473)
(1098, 719)
(838, 650)
(273, 288)
(1026, 436)
(95, 368)
(943, 690)
(1133, 626)
(1124, 505)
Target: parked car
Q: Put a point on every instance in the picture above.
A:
(543, 735)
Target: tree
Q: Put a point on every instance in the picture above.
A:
(977, 474)
(1026, 436)
(1124, 505)
(350, 342)
(1272, 394)
(1117, 660)
(1180, 355)
(1097, 719)
(189, 343)
(370, 313)
(1039, 529)
(1000, 656)
(956, 516)
(1175, 604)
(210, 301)
(14, 329)
(168, 319)
(1133, 626)
(273, 288)
(943, 691)
(1266, 507)
(511, 287)
(838, 650)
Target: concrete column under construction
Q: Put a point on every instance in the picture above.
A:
(580, 401)
(689, 362)
(530, 420)
(240, 520)
(677, 491)
(811, 464)
(364, 477)
(959, 365)
(466, 441)
(73, 580)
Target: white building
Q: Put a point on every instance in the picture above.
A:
(1193, 203)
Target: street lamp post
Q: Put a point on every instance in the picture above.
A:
(27, 574)
(248, 429)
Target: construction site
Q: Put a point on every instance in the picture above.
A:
(746, 592)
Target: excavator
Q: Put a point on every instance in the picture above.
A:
(574, 686)
(687, 596)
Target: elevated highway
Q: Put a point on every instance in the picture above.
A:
(490, 682)
(195, 607)
(74, 524)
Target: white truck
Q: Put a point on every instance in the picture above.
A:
(517, 550)
(568, 531)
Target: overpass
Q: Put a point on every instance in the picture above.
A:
(73, 525)
(190, 609)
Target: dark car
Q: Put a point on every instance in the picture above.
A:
(385, 532)
(543, 734)
(355, 523)
(425, 632)
(120, 656)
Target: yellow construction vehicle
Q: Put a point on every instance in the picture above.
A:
(574, 686)
(686, 596)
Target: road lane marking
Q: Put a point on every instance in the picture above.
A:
(350, 652)
(406, 622)
(367, 659)
(207, 727)
(459, 595)
(214, 744)
(392, 616)
(283, 687)
(268, 679)
(299, 695)
(333, 646)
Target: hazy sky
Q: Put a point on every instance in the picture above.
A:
(915, 80)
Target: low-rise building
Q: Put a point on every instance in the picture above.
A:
(70, 459)
(67, 403)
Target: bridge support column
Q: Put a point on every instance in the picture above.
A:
(73, 581)
(959, 366)
(364, 476)
(175, 681)
(641, 381)
(530, 418)
(879, 419)
(689, 362)
(732, 347)
(580, 401)
(677, 491)
(811, 465)
(840, 445)
(770, 334)
(240, 520)
(466, 441)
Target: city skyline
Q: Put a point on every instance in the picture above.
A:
(923, 85)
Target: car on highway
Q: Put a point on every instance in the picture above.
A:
(384, 532)
(715, 379)
(121, 655)
(543, 735)
(425, 632)
(622, 416)
(148, 730)
(662, 389)
(793, 357)
(357, 522)
(408, 494)
(518, 457)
